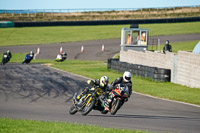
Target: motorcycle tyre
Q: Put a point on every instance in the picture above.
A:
(85, 112)
(72, 110)
(115, 108)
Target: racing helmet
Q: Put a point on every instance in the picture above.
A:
(127, 76)
(7, 51)
(167, 42)
(104, 81)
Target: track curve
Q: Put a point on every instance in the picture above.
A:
(38, 92)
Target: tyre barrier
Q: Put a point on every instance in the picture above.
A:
(154, 73)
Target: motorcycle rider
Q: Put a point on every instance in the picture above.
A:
(101, 83)
(28, 57)
(61, 56)
(8, 55)
(125, 79)
(31, 54)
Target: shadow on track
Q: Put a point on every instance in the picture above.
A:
(36, 82)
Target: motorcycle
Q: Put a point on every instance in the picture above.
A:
(118, 96)
(61, 57)
(27, 59)
(5, 59)
(89, 101)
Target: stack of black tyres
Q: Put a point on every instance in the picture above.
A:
(156, 74)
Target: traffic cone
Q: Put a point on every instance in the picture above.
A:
(38, 50)
(61, 49)
(102, 48)
(82, 49)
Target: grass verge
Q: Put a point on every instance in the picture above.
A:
(31, 126)
(59, 34)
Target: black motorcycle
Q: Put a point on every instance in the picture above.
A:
(5, 59)
(86, 103)
(61, 57)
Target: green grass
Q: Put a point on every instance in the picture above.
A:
(178, 46)
(31, 126)
(19, 57)
(59, 34)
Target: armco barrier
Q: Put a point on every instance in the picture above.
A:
(156, 74)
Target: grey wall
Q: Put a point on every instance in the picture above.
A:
(185, 66)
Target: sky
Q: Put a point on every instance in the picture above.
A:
(85, 4)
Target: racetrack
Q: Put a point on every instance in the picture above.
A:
(92, 49)
(39, 92)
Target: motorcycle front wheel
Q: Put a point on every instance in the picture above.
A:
(72, 110)
(89, 106)
(116, 103)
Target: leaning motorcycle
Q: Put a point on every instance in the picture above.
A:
(118, 96)
(27, 59)
(4, 59)
(86, 103)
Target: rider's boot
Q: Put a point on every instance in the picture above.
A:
(107, 104)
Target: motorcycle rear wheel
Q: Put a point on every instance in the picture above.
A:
(115, 106)
(73, 110)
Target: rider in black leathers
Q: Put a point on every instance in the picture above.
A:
(167, 47)
(126, 79)
(9, 56)
(101, 83)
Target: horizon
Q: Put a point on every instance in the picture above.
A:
(91, 4)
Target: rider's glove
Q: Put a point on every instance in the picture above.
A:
(92, 89)
(89, 81)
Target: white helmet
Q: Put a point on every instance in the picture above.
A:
(104, 81)
(127, 76)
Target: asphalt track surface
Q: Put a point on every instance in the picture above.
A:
(39, 92)
(92, 49)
